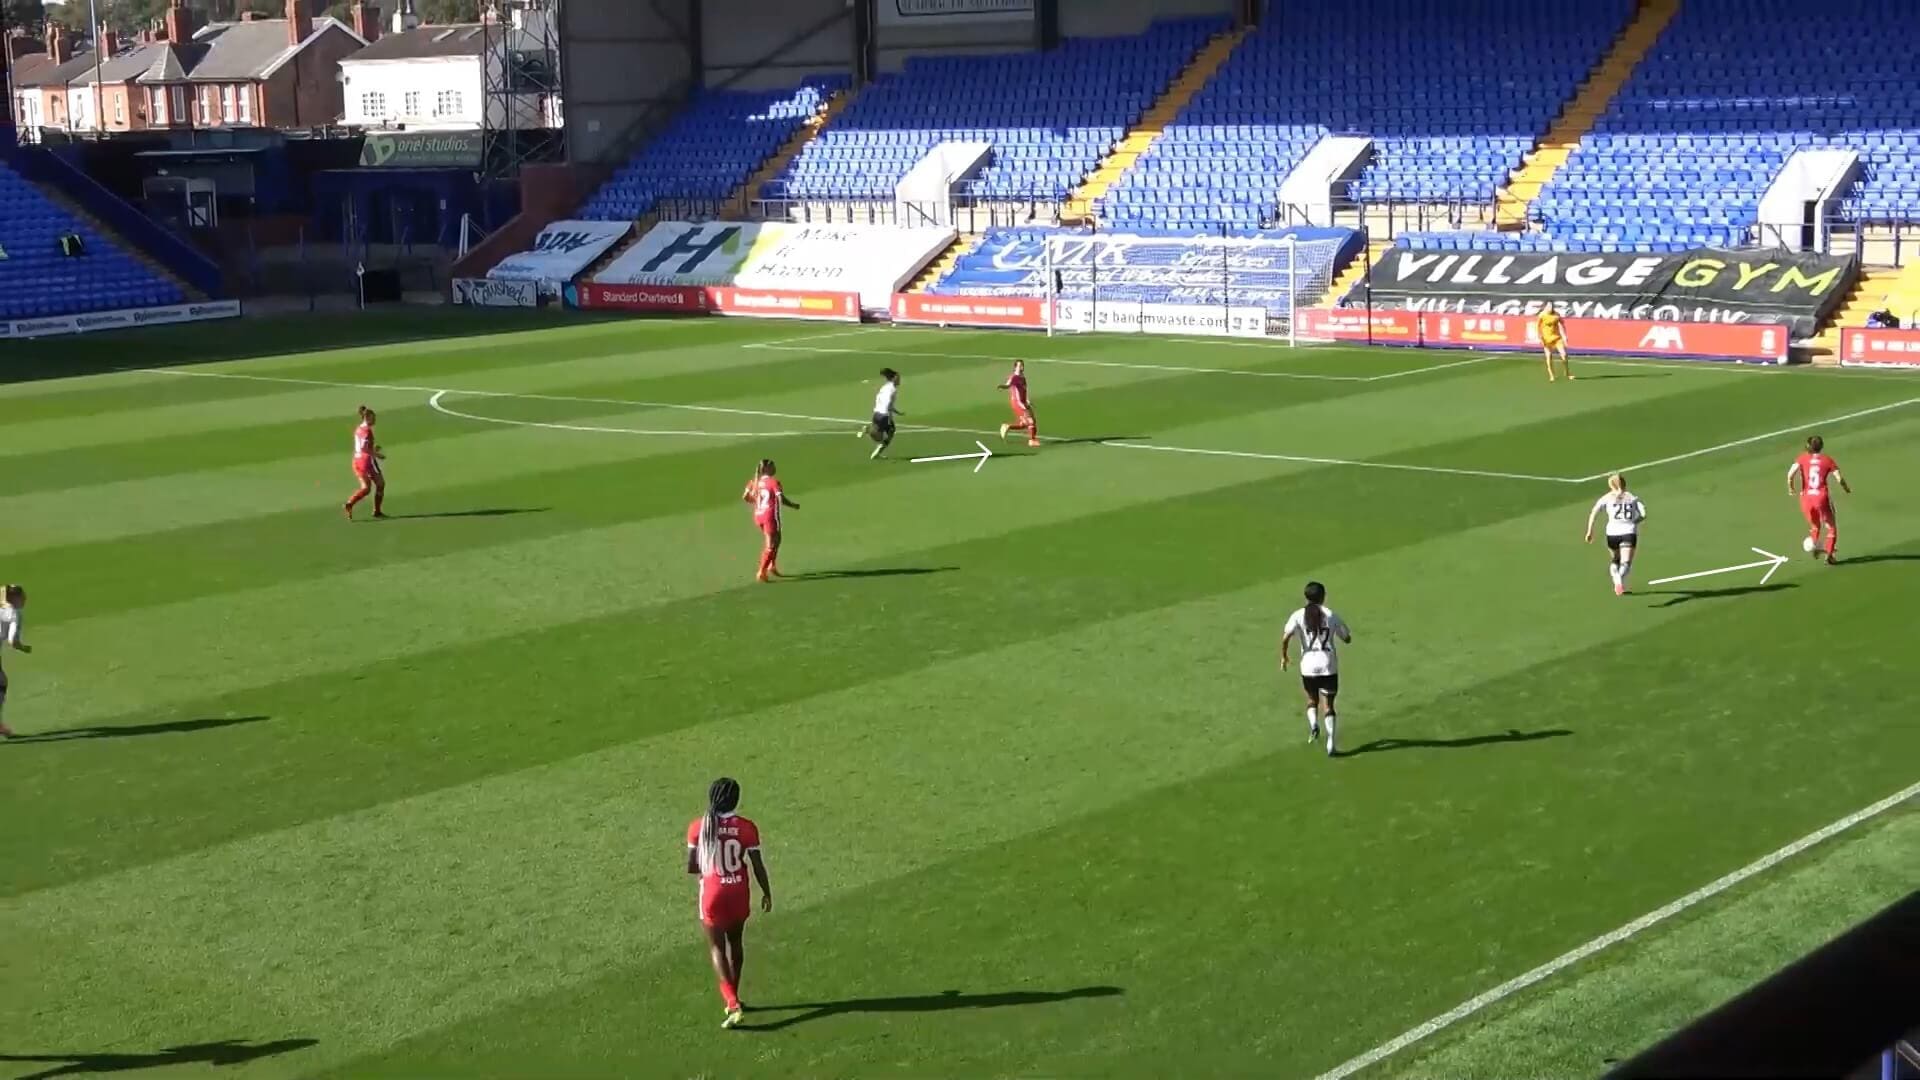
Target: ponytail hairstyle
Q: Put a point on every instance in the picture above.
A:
(1316, 615)
(722, 796)
(765, 468)
(1815, 444)
(366, 415)
(889, 374)
(16, 596)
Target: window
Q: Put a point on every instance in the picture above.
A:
(410, 104)
(206, 107)
(80, 109)
(373, 105)
(157, 106)
(227, 107)
(246, 104)
(179, 111)
(120, 107)
(447, 103)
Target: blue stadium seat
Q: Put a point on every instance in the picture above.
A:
(37, 281)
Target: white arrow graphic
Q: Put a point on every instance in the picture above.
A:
(1772, 562)
(983, 455)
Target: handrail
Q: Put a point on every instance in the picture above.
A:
(134, 227)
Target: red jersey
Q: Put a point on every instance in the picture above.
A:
(724, 867)
(1017, 391)
(765, 494)
(363, 444)
(1814, 471)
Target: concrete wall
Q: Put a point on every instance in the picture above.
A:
(766, 44)
(1107, 18)
(626, 66)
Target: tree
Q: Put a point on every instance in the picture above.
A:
(27, 15)
(441, 12)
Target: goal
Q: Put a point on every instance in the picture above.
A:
(1202, 286)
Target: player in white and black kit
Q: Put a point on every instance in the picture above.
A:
(1318, 628)
(1624, 512)
(13, 606)
(880, 430)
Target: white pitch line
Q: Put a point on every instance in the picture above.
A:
(434, 404)
(1608, 940)
(1397, 466)
(1432, 367)
(803, 339)
(1179, 368)
(1716, 448)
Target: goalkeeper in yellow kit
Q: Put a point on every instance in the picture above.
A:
(1553, 339)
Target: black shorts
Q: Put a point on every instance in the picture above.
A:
(882, 427)
(1615, 543)
(1320, 684)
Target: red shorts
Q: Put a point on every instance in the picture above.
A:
(367, 468)
(768, 525)
(1021, 412)
(725, 908)
(1818, 508)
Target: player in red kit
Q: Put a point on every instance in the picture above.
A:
(720, 846)
(1016, 388)
(1812, 477)
(367, 456)
(764, 492)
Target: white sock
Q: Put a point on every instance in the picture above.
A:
(1330, 721)
(1613, 571)
(1626, 568)
(1313, 719)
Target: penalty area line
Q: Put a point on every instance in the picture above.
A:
(1608, 940)
(434, 404)
(1762, 437)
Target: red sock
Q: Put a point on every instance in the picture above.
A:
(354, 499)
(1833, 541)
(379, 500)
(729, 994)
(766, 561)
(1033, 430)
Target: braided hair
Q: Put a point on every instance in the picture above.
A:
(723, 795)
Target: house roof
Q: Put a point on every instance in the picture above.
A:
(172, 62)
(251, 50)
(122, 67)
(427, 43)
(57, 74)
(26, 67)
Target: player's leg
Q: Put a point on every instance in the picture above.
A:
(882, 434)
(722, 970)
(1566, 365)
(1833, 530)
(1626, 567)
(1546, 352)
(1330, 689)
(379, 491)
(1032, 426)
(737, 955)
(366, 487)
(769, 544)
(1613, 561)
(1810, 509)
(773, 549)
(1313, 710)
(5, 731)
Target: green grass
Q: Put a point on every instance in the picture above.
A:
(406, 799)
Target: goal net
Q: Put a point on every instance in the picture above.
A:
(1183, 285)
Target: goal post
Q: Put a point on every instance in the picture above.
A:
(1229, 286)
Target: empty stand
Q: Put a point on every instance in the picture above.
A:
(38, 280)
(1732, 89)
(710, 149)
(1452, 98)
(1051, 116)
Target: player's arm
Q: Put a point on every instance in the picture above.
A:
(1793, 479)
(1591, 514)
(760, 875)
(1844, 486)
(786, 502)
(693, 859)
(1340, 627)
(1286, 646)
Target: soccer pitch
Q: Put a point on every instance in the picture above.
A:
(408, 798)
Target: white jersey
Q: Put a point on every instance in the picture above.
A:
(10, 619)
(1624, 512)
(1317, 647)
(883, 401)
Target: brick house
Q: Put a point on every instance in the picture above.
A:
(274, 73)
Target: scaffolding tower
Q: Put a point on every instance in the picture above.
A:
(520, 71)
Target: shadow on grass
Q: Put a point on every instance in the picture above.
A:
(945, 1001)
(131, 731)
(1891, 556)
(884, 571)
(1381, 746)
(490, 512)
(1095, 439)
(1688, 596)
(224, 1052)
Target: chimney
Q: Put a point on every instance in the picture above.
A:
(299, 23)
(109, 42)
(178, 23)
(366, 21)
(59, 45)
(404, 19)
(20, 45)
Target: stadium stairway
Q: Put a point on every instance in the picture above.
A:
(945, 261)
(54, 195)
(1356, 269)
(1577, 119)
(1152, 123)
(772, 168)
(1876, 287)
